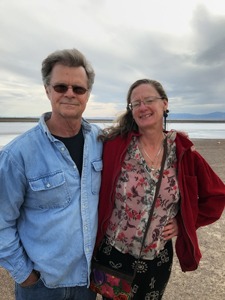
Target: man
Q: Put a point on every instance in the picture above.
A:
(50, 179)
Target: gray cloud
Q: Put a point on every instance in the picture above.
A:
(190, 66)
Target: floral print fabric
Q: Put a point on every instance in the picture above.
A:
(110, 286)
(134, 196)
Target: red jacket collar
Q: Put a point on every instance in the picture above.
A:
(183, 144)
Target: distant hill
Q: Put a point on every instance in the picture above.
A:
(212, 116)
(215, 116)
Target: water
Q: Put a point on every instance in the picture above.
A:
(201, 130)
(9, 130)
(196, 130)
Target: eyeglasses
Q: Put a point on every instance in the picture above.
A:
(63, 88)
(147, 102)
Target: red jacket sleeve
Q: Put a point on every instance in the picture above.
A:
(211, 193)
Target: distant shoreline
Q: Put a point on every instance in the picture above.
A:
(108, 120)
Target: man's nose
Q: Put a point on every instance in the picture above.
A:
(69, 92)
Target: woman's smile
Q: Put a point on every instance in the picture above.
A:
(146, 116)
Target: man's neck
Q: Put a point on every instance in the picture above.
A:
(64, 127)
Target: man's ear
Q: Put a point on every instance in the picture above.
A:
(47, 91)
(88, 97)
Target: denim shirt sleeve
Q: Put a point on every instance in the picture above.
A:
(48, 214)
(12, 255)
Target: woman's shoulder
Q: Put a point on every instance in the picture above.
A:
(121, 138)
(183, 141)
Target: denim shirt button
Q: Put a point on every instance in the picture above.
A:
(85, 227)
(87, 249)
(74, 167)
(48, 185)
(83, 206)
(62, 149)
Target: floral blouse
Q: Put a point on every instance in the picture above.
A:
(134, 196)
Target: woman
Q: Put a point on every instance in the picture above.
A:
(190, 195)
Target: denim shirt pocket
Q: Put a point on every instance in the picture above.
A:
(96, 175)
(49, 191)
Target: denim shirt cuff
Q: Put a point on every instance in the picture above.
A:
(23, 270)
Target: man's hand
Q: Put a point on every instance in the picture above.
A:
(32, 279)
(185, 134)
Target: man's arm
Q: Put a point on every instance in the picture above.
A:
(13, 184)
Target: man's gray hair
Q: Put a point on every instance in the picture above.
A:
(70, 58)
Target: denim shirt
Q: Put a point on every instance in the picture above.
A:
(48, 213)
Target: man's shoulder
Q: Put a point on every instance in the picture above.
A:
(23, 141)
(95, 128)
(91, 127)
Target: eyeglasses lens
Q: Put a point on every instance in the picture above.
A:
(79, 90)
(61, 88)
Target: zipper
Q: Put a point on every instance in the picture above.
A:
(182, 214)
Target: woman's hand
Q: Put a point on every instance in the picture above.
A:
(170, 230)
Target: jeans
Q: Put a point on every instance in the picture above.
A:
(39, 291)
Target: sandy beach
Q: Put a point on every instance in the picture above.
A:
(207, 282)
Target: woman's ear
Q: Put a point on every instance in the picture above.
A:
(165, 104)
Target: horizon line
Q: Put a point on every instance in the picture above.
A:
(105, 120)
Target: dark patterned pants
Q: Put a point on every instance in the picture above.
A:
(152, 275)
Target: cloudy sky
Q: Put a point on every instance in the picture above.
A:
(179, 43)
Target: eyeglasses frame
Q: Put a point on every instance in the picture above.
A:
(69, 87)
(155, 98)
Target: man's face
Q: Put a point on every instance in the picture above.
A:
(67, 105)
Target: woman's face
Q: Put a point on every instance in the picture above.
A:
(151, 115)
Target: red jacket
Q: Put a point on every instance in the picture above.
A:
(202, 195)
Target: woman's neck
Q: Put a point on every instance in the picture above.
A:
(150, 144)
(151, 139)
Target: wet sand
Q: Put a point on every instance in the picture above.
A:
(208, 281)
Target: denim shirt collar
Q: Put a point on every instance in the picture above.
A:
(86, 127)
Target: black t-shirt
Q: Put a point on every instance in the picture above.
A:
(75, 146)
